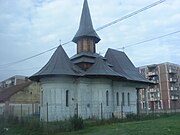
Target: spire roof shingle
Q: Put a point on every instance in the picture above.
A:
(86, 27)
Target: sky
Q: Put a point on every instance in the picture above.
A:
(29, 27)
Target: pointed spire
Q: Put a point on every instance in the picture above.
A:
(86, 27)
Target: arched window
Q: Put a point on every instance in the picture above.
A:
(41, 98)
(117, 98)
(128, 97)
(107, 98)
(67, 98)
(123, 103)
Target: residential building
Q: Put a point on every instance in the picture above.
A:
(88, 84)
(20, 100)
(14, 80)
(165, 94)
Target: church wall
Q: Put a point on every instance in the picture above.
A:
(54, 93)
(120, 108)
(100, 107)
(86, 97)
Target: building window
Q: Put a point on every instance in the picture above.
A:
(41, 98)
(67, 98)
(128, 97)
(117, 98)
(107, 98)
(123, 99)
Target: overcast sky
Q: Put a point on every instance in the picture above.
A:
(28, 27)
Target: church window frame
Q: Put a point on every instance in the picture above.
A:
(67, 98)
(107, 98)
(123, 100)
(128, 97)
(117, 99)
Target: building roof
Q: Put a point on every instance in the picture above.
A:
(101, 68)
(6, 93)
(59, 64)
(16, 77)
(86, 57)
(122, 65)
(86, 27)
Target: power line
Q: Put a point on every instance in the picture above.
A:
(98, 29)
(131, 14)
(148, 40)
(24, 69)
(25, 59)
(135, 44)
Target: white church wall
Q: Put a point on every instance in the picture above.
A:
(86, 97)
(54, 94)
(120, 108)
(100, 108)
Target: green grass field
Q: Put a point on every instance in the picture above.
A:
(162, 126)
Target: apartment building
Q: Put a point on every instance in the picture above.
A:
(165, 93)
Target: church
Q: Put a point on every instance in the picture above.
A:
(88, 84)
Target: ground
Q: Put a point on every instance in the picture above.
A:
(160, 126)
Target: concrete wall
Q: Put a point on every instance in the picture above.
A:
(87, 98)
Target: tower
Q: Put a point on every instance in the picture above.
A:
(86, 39)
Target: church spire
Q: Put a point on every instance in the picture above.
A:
(86, 27)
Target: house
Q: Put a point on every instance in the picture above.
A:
(88, 84)
(20, 100)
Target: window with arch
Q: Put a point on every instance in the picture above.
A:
(117, 98)
(128, 97)
(41, 98)
(123, 101)
(107, 98)
(67, 98)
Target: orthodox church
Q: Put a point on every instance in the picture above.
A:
(88, 84)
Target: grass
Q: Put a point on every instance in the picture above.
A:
(161, 126)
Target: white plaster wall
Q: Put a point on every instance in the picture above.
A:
(99, 106)
(88, 94)
(125, 87)
(54, 93)
(84, 97)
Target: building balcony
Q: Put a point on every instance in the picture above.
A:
(172, 88)
(152, 73)
(154, 90)
(174, 97)
(155, 81)
(172, 71)
(172, 79)
(154, 99)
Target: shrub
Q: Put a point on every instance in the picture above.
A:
(76, 122)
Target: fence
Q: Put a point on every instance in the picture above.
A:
(96, 110)
(19, 110)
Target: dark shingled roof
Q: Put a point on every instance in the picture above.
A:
(101, 68)
(59, 64)
(6, 93)
(87, 54)
(86, 27)
(122, 65)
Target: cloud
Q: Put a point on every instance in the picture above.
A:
(32, 26)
